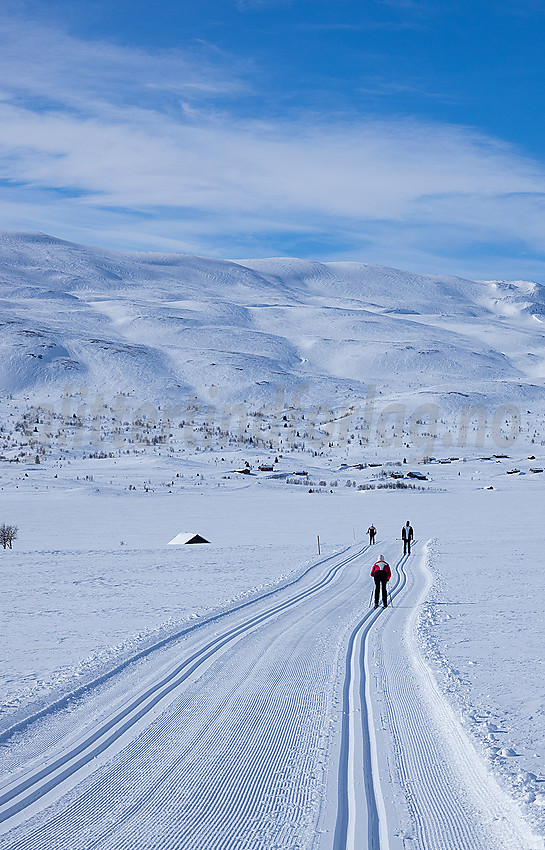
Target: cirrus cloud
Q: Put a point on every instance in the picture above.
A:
(156, 150)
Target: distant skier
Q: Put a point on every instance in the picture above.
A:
(407, 534)
(371, 531)
(381, 573)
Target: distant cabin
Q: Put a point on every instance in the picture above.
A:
(187, 537)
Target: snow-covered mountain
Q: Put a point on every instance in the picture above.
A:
(163, 326)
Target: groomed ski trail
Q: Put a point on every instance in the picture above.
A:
(301, 719)
(426, 786)
(360, 817)
(220, 741)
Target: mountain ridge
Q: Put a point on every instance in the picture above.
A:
(162, 326)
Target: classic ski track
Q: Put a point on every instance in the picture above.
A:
(453, 802)
(359, 802)
(40, 783)
(229, 782)
(83, 690)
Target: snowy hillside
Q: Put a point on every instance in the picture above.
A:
(165, 326)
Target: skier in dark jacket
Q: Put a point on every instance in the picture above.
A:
(371, 531)
(407, 534)
(381, 573)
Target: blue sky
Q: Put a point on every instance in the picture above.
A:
(399, 132)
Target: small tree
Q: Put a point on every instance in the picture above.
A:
(8, 534)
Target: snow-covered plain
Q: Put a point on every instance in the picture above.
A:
(74, 611)
(92, 587)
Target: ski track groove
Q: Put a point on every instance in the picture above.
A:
(422, 767)
(344, 830)
(251, 790)
(229, 762)
(157, 693)
(255, 775)
(453, 802)
(7, 734)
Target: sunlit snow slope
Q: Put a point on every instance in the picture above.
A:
(163, 326)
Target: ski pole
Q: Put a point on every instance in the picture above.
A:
(371, 599)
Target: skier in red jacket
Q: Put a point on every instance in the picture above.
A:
(382, 573)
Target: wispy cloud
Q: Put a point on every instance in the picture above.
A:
(107, 144)
(381, 87)
(50, 67)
